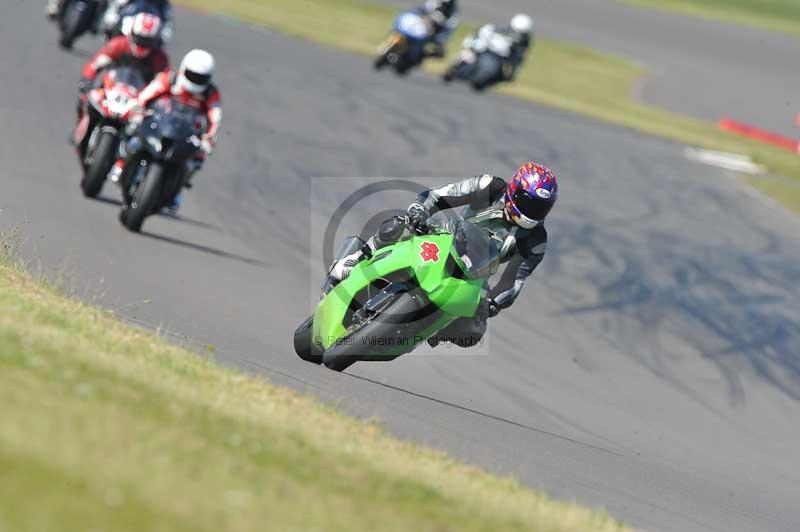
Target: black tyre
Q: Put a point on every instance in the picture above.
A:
(385, 325)
(73, 24)
(403, 67)
(66, 41)
(100, 164)
(146, 199)
(304, 342)
(380, 61)
(453, 73)
(480, 87)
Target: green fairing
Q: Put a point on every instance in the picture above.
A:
(456, 298)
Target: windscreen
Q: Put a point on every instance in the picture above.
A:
(178, 120)
(349, 246)
(473, 246)
(129, 76)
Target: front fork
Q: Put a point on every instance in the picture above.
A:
(85, 129)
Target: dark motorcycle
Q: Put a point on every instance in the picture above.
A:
(481, 61)
(405, 46)
(76, 17)
(114, 18)
(109, 107)
(160, 156)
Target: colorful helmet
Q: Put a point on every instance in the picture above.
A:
(144, 34)
(195, 72)
(531, 193)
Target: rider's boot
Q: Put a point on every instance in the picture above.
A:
(172, 210)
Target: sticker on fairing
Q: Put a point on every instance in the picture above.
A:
(429, 252)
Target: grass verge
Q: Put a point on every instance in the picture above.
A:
(108, 428)
(774, 15)
(560, 75)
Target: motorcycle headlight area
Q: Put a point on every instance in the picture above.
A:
(119, 105)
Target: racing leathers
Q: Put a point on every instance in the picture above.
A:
(482, 198)
(116, 52)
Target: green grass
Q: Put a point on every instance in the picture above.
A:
(777, 187)
(776, 15)
(557, 74)
(108, 428)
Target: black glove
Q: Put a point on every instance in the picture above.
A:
(418, 217)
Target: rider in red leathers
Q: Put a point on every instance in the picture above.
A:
(140, 49)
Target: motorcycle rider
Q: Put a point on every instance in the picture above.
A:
(139, 48)
(55, 9)
(520, 30)
(512, 213)
(191, 85)
(125, 9)
(443, 14)
(519, 36)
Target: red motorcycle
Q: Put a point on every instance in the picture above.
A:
(107, 110)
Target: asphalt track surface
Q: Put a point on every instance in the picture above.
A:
(651, 367)
(702, 68)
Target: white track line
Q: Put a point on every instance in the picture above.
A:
(724, 160)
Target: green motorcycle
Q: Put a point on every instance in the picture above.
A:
(399, 295)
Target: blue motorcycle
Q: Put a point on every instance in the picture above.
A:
(404, 48)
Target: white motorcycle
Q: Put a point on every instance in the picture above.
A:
(483, 59)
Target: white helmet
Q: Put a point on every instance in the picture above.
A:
(195, 72)
(521, 23)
